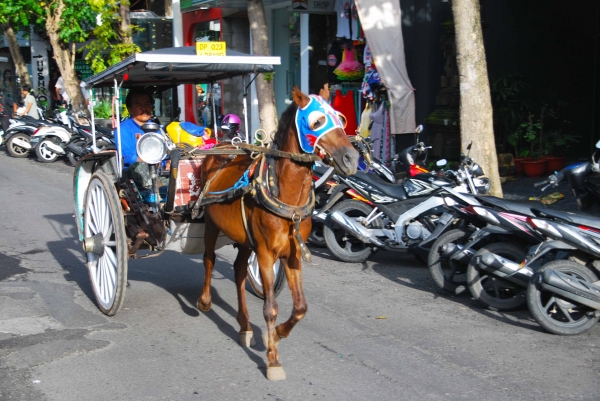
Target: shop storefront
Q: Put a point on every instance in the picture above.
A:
(319, 41)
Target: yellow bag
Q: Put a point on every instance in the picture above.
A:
(365, 120)
(179, 135)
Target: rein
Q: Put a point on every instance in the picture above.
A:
(245, 148)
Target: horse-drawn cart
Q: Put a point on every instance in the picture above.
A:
(258, 197)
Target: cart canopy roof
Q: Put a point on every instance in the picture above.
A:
(180, 65)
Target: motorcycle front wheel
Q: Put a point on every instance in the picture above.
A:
(492, 291)
(343, 245)
(555, 313)
(44, 153)
(449, 274)
(14, 149)
(316, 236)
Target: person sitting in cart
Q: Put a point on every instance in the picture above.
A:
(139, 104)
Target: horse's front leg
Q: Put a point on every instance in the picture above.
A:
(265, 262)
(293, 272)
(241, 271)
(211, 233)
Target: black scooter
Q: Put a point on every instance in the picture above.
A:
(564, 295)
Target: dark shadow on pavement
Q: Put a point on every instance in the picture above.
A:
(180, 275)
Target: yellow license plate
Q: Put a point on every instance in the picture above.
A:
(211, 49)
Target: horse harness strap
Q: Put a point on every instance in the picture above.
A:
(262, 187)
(203, 200)
(264, 196)
(242, 148)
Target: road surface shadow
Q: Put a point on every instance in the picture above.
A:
(180, 275)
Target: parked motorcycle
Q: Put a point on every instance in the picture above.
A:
(328, 190)
(494, 275)
(564, 295)
(73, 140)
(81, 144)
(400, 217)
(16, 138)
(13, 122)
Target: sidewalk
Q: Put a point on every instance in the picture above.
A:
(522, 189)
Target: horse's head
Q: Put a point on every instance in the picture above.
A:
(321, 130)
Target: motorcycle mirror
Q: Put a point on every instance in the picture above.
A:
(417, 132)
(469, 145)
(598, 145)
(441, 163)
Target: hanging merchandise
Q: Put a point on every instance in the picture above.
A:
(370, 81)
(347, 19)
(334, 58)
(378, 118)
(344, 103)
(365, 121)
(349, 69)
(367, 57)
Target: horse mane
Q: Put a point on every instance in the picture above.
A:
(287, 119)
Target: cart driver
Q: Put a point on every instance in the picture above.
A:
(139, 104)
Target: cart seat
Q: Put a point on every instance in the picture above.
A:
(192, 128)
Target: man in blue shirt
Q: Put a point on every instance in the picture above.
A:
(139, 104)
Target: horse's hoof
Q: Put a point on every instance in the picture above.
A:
(275, 373)
(247, 339)
(266, 338)
(204, 308)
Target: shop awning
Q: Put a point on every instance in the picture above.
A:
(180, 65)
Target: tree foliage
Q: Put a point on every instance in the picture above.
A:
(112, 43)
(20, 14)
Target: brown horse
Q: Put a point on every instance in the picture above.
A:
(270, 235)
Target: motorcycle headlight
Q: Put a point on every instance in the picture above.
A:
(476, 170)
(151, 148)
(484, 185)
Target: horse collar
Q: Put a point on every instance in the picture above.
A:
(264, 196)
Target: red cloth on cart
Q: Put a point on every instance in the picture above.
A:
(345, 105)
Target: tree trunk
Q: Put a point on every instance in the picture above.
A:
(168, 8)
(65, 58)
(475, 100)
(125, 22)
(17, 56)
(260, 47)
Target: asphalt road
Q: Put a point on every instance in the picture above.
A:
(56, 345)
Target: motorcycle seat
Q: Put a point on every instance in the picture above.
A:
(575, 218)
(394, 190)
(520, 207)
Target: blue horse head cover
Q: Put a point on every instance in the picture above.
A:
(314, 120)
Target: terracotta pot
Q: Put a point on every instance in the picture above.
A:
(519, 166)
(554, 164)
(535, 168)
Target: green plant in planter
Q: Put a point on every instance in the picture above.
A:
(511, 100)
(558, 142)
(530, 132)
(102, 109)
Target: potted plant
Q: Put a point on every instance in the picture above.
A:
(103, 113)
(558, 143)
(532, 132)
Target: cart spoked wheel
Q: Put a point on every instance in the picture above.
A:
(105, 243)
(255, 280)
